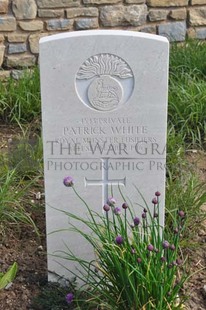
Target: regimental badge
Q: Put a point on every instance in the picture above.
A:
(104, 82)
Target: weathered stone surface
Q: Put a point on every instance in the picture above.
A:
(118, 15)
(34, 41)
(86, 23)
(4, 75)
(173, 31)
(149, 29)
(193, 2)
(17, 74)
(191, 33)
(178, 14)
(15, 37)
(50, 13)
(34, 25)
(2, 49)
(59, 24)
(4, 6)
(17, 48)
(134, 1)
(101, 1)
(157, 15)
(1, 37)
(197, 16)
(201, 33)
(7, 23)
(20, 61)
(24, 9)
(76, 12)
(162, 3)
(50, 4)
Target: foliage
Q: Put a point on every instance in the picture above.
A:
(9, 276)
(187, 57)
(12, 195)
(187, 107)
(51, 297)
(135, 266)
(20, 100)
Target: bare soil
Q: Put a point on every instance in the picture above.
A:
(29, 251)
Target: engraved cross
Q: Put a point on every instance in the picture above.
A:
(105, 182)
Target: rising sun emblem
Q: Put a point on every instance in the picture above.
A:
(104, 82)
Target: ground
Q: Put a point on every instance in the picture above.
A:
(29, 251)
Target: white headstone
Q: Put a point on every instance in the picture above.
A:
(104, 110)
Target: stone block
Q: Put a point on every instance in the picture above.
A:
(191, 33)
(50, 13)
(50, 4)
(173, 31)
(85, 12)
(24, 9)
(4, 75)
(2, 50)
(201, 33)
(113, 16)
(194, 2)
(101, 1)
(149, 29)
(134, 1)
(21, 61)
(4, 4)
(155, 15)
(197, 16)
(86, 23)
(17, 38)
(1, 37)
(17, 48)
(178, 14)
(34, 41)
(7, 23)
(34, 25)
(59, 24)
(167, 3)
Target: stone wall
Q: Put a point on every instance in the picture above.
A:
(23, 22)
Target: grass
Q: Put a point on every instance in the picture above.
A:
(20, 100)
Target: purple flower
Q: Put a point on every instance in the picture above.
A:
(157, 193)
(144, 215)
(181, 213)
(106, 208)
(68, 181)
(125, 205)
(136, 221)
(111, 201)
(133, 251)
(145, 210)
(150, 247)
(176, 230)
(172, 247)
(165, 244)
(119, 240)
(154, 201)
(178, 261)
(139, 260)
(163, 259)
(117, 211)
(69, 298)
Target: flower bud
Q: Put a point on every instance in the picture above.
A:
(119, 240)
(106, 207)
(136, 221)
(165, 244)
(150, 247)
(125, 205)
(111, 201)
(68, 181)
(117, 211)
(154, 201)
(157, 193)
